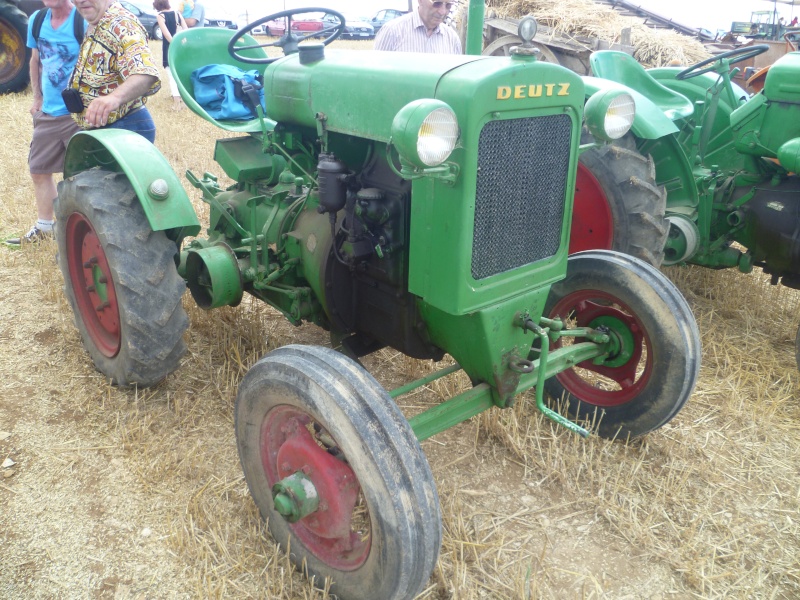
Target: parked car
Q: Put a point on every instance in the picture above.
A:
(385, 15)
(148, 19)
(277, 27)
(354, 27)
(308, 25)
(219, 15)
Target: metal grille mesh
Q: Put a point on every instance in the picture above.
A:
(519, 205)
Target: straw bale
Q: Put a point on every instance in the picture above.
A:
(652, 47)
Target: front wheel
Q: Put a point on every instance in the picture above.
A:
(120, 279)
(655, 361)
(311, 420)
(618, 205)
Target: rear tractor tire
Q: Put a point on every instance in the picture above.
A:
(15, 57)
(618, 205)
(120, 279)
(654, 367)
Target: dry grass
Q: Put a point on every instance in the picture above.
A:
(707, 507)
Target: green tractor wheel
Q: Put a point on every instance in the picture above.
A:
(618, 205)
(15, 56)
(655, 365)
(336, 470)
(120, 279)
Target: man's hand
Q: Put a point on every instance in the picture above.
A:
(134, 87)
(99, 109)
(37, 105)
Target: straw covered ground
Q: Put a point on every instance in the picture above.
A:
(139, 493)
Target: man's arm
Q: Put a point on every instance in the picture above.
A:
(36, 81)
(133, 87)
(197, 13)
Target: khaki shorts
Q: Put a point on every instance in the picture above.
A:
(49, 142)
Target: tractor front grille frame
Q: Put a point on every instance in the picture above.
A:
(520, 192)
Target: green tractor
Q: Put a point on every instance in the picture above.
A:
(715, 180)
(393, 201)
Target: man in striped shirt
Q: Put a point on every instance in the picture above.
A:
(421, 31)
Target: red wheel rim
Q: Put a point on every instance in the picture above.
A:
(90, 278)
(331, 533)
(584, 307)
(592, 221)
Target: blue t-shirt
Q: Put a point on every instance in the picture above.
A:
(58, 53)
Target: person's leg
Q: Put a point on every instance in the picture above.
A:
(46, 157)
(44, 188)
(177, 101)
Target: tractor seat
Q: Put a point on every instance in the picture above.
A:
(203, 46)
(623, 68)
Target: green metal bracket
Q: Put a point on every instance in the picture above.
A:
(480, 398)
(295, 497)
(209, 197)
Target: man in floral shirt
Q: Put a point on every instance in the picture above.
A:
(115, 70)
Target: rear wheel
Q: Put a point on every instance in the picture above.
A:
(797, 348)
(653, 369)
(15, 57)
(618, 205)
(120, 279)
(312, 413)
(502, 47)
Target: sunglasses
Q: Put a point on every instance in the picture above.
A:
(447, 5)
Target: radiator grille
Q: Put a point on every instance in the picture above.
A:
(521, 182)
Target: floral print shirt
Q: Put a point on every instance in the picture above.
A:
(116, 49)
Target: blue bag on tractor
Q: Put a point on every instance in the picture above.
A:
(227, 92)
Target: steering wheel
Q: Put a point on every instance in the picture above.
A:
(289, 41)
(739, 54)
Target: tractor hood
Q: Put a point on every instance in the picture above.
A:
(359, 93)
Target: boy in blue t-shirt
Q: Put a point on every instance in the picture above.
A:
(53, 58)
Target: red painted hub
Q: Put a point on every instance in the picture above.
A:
(585, 306)
(90, 278)
(288, 446)
(592, 221)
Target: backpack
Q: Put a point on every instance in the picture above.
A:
(228, 92)
(38, 21)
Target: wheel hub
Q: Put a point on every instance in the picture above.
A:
(90, 278)
(314, 488)
(325, 481)
(622, 365)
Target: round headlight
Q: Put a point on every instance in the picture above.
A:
(609, 114)
(425, 132)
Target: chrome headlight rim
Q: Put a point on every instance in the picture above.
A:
(425, 132)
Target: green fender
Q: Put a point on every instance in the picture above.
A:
(127, 152)
(650, 122)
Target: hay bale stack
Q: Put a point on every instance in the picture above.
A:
(652, 47)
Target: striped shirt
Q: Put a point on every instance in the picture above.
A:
(408, 34)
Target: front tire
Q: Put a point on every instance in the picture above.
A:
(618, 205)
(312, 410)
(655, 366)
(120, 279)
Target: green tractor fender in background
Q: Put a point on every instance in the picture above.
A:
(163, 199)
(650, 122)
